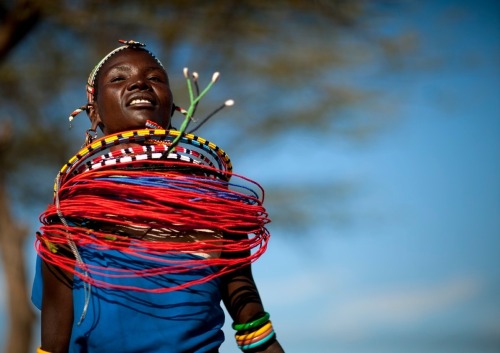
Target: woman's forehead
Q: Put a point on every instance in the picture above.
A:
(128, 58)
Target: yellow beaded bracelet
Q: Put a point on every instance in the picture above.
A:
(254, 339)
(261, 330)
(40, 350)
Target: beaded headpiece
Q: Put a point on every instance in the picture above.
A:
(93, 74)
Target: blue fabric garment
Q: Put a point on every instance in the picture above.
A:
(188, 320)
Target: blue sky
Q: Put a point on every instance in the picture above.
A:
(416, 268)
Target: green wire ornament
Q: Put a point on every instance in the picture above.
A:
(193, 104)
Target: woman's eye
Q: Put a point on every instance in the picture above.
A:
(155, 79)
(116, 79)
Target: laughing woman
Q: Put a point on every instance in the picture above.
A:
(148, 232)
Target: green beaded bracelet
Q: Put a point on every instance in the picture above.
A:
(252, 324)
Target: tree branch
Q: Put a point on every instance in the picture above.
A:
(18, 22)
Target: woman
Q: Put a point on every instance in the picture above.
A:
(93, 300)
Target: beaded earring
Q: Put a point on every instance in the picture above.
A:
(88, 137)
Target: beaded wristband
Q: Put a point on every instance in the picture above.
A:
(40, 350)
(258, 332)
(254, 338)
(257, 344)
(252, 324)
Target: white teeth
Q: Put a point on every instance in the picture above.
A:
(139, 101)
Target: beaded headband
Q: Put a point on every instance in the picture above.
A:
(93, 74)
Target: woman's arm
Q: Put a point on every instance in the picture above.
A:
(242, 300)
(57, 309)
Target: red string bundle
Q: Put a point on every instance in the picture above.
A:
(154, 196)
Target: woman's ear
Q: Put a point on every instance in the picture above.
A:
(95, 118)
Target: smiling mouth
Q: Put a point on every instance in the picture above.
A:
(141, 101)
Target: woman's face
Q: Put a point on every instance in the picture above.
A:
(131, 89)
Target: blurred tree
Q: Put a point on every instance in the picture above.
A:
(276, 60)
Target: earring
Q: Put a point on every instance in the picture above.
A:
(76, 112)
(88, 137)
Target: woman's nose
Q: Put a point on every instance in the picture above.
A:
(139, 83)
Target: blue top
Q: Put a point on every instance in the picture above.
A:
(188, 320)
